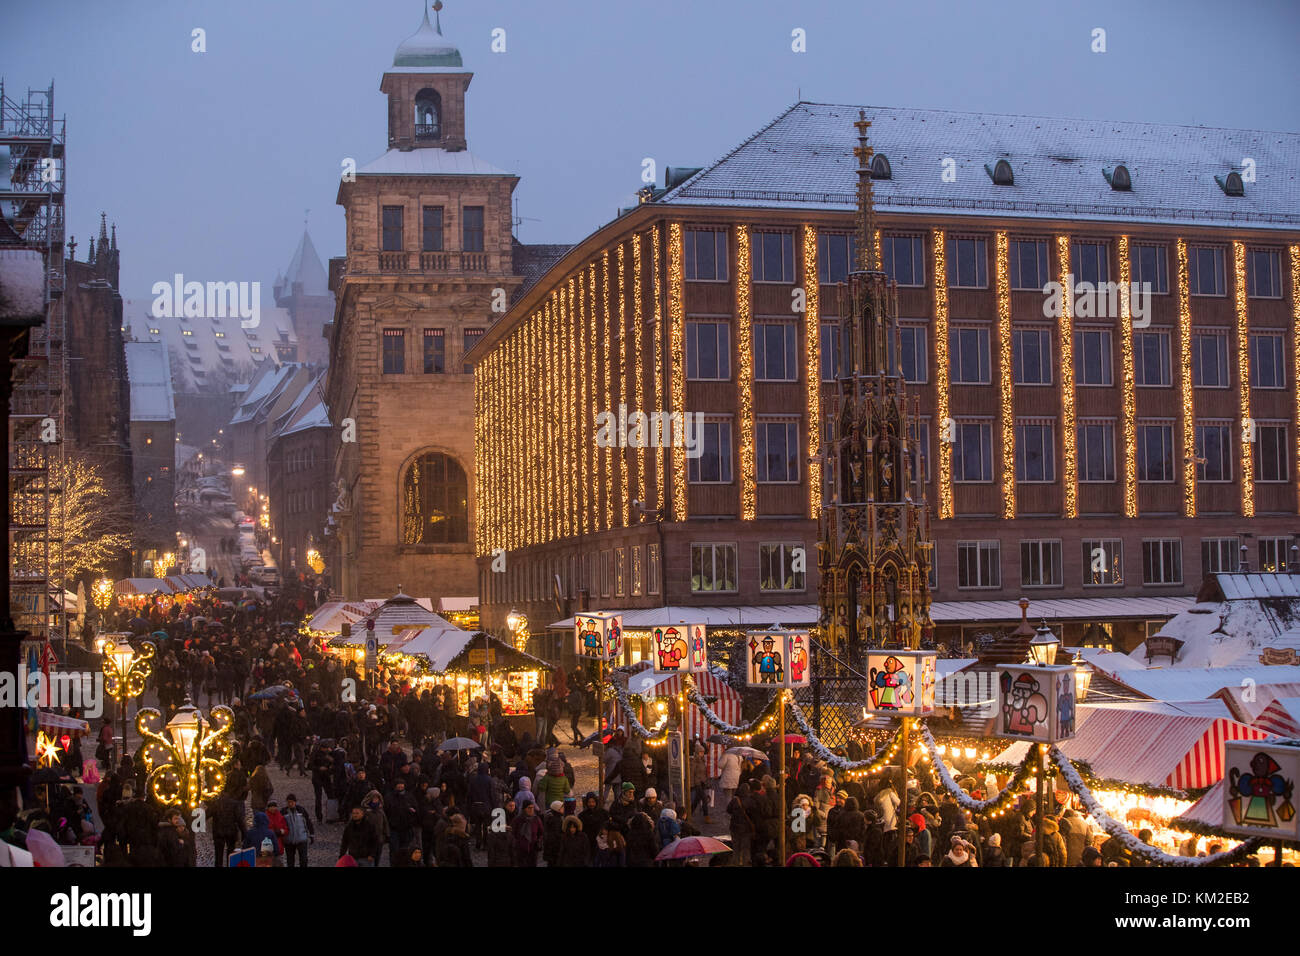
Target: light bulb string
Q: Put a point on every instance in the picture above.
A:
(965, 800)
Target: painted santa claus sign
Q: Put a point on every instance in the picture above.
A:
(1036, 703)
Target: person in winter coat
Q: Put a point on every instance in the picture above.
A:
(455, 843)
(484, 797)
(594, 817)
(620, 814)
(611, 848)
(227, 823)
(1053, 845)
(847, 857)
(887, 803)
(175, 842)
(631, 769)
(500, 840)
(322, 776)
(360, 840)
(667, 829)
(993, 855)
(299, 832)
(728, 776)
(259, 833)
(374, 811)
(575, 849)
(924, 839)
(553, 786)
(552, 832)
(1075, 833)
(275, 820)
(529, 835)
(642, 847)
(851, 824)
(259, 788)
(403, 817)
(959, 854)
(741, 826)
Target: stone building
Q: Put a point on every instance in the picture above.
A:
(430, 264)
(1097, 452)
(153, 448)
(300, 448)
(303, 291)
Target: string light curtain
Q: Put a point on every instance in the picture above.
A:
(812, 367)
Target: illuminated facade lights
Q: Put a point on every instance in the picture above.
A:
(1185, 382)
(1070, 476)
(1129, 393)
(1243, 377)
(660, 454)
(639, 377)
(812, 367)
(745, 375)
(941, 371)
(1006, 410)
(677, 357)
(1295, 357)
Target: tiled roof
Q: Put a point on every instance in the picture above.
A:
(533, 261)
(306, 267)
(804, 160)
(429, 161)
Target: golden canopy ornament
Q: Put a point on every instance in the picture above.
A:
(185, 759)
(126, 669)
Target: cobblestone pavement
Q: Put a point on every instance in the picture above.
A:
(325, 848)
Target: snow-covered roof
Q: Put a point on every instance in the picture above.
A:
(762, 615)
(306, 267)
(150, 375)
(430, 161)
(803, 159)
(1171, 683)
(1281, 717)
(453, 605)
(1059, 609)
(1238, 632)
(1241, 587)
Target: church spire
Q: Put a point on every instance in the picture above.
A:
(866, 202)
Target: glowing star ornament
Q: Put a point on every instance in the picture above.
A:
(901, 683)
(1036, 703)
(598, 635)
(777, 658)
(47, 750)
(1259, 788)
(679, 649)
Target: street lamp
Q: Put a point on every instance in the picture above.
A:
(102, 593)
(1043, 647)
(163, 565)
(518, 624)
(125, 673)
(185, 758)
(237, 471)
(1082, 678)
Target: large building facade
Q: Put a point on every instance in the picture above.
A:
(430, 256)
(1097, 444)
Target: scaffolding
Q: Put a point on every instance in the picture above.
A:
(32, 142)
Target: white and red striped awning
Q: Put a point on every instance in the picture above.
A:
(725, 702)
(1154, 749)
(1281, 717)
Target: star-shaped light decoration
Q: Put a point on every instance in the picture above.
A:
(47, 750)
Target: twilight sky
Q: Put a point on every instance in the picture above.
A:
(207, 161)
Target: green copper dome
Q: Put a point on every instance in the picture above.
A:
(427, 47)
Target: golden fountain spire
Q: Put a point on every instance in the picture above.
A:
(866, 202)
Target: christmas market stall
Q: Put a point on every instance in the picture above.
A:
(1146, 761)
(645, 687)
(327, 621)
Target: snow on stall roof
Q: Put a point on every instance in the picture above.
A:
(803, 159)
(1233, 633)
(1237, 586)
(1059, 609)
(1192, 683)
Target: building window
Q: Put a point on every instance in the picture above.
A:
(973, 452)
(1031, 356)
(913, 361)
(1162, 561)
(776, 567)
(392, 238)
(706, 255)
(713, 567)
(435, 352)
(471, 229)
(1267, 366)
(1264, 274)
(620, 572)
(979, 564)
(1205, 270)
(606, 572)
(1274, 555)
(830, 352)
(904, 259)
(773, 256)
(836, 256)
(1090, 262)
(1028, 264)
(1210, 359)
(1096, 450)
(1219, 554)
(1155, 452)
(1040, 564)
(1151, 365)
(1035, 452)
(777, 450)
(713, 466)
(920, 433)
(967, 264)
(708, 351)
(428, 111)
(394, 351)
(1151, 267)
(1214, 452)
(652, 568)
(431, 240)
(774, 359)
(435, 501)
(1092, 357)
(969, 351)
(638, 571)
(470, 339)
(1271, 453)
(1103, 562)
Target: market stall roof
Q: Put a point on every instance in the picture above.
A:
(1235, 633)
(187, 582)
(453, 605)
(1201, 682)
(332, 615)
(1282, 717)
(1235, 586)
(752, 615)
(393, 616)
(141, 586)
(448, 648)
(1249, 701)
(53, 723)
(1155, 749)
(1208, 810)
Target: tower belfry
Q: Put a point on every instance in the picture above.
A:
(874, 552)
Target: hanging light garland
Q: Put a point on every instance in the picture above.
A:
(995, 805)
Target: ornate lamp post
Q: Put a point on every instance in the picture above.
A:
(1043, 651)
(102, 594)
(186, 757)
(163, 565)
(1044, 645)
(1082, 678)
(518, 624)
(125, 673)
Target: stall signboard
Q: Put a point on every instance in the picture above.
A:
(478, 656)
(901, 683)
(679, 649)
(1036, 703)
(777, 658)
(598, 636)
(1259, 789)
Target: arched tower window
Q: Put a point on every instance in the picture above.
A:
(428, 114)
(435, 501)
(880, 168)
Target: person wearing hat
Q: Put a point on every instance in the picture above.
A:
(621, 812)
(528, 834)
(834, 818)
(594, 817)
(1090, 856)
(651, 805)
(958, 854)
(552, 832)
(993, 853)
